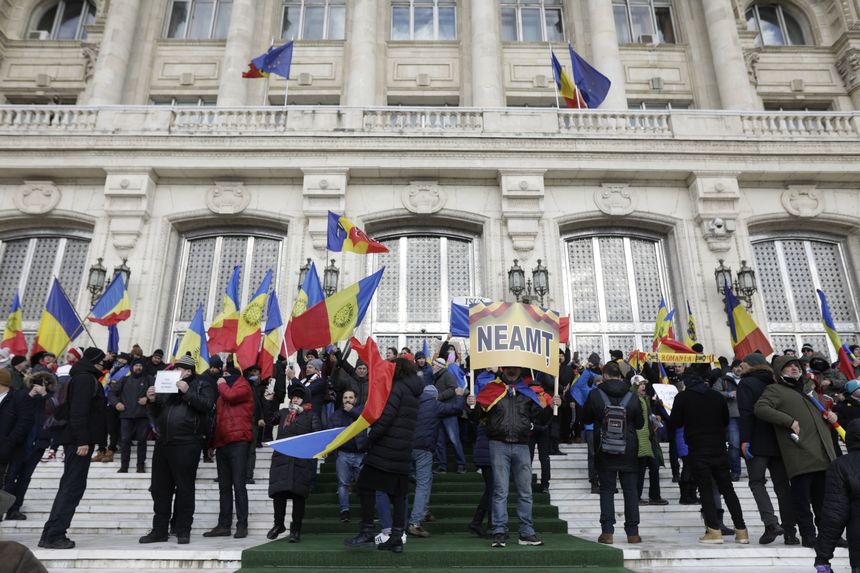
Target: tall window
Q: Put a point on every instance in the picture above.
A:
(199, 19)
(313, 20)
(532, 21)
(776, 26)
(615, 283)
(789, 272)
(207, 264)
(63, 20)
(423, 20)
(422, 275)
(644, 21)
(30, 264)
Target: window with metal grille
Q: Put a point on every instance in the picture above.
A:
(313, 20)
(63, 20)
(644, 21)
(614, 285)
(777, 26)
(532, 21)
(423, 20)
(423, 273)
(789, 270)
(198, 19)
(30, 264)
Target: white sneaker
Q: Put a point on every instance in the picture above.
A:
(383, 536)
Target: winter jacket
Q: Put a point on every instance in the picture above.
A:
(346, 379)
(87, 410)
(512, 419)
(389, 444)
(780, 405)
(429, 411)
(39, 438)
(841, 506)
(446, 384)
(847, 411)
(726, 385)
(288, 474)
(755, 431)
(704, 415)
(649, 445)
(341, 419)
(16, 421)
(151, 369)
(183, 418)
(233, 412)
(425, 373)
(836, 377)
(17, 558)
(17, 378)
(317, 386)
(592, 413)
(128, 390)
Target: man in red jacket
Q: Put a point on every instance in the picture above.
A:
(231, 440)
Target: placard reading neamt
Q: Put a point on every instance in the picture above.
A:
(165, 382)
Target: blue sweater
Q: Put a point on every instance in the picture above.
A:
(430, 409)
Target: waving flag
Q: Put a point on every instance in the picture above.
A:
(310, 294)
(194, 342)
(121, 373)
(112, 307)
(846, 357)
(248, 333)
(320, 444)
(60, 324)
(746, 337)
(277, 60)
(343, 235)
(593, 86)
(222, 333)
(13, 332)
(566, 87)
(691, 336)
(336, 317)
(113, 339)
(272, 340)
(663, 325)
(494, 391)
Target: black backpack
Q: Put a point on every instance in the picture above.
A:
(613, 432)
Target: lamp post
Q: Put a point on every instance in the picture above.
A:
(744, 286)
(540, 280)
(124, 271)
(526, 291)
(516, 280)
(303, 273)
(330, 276)
(96, 280)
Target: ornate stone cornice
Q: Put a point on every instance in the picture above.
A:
(848, 66)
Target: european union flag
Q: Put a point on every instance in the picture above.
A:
(593, 86)
(276, 61)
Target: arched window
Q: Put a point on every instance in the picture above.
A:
(199, 19)
(777, 26)
(615, 282)
(63, 20)
(789, 271)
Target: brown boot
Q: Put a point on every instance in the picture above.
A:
(605, 538)
(742, 536)
(711, 537)
(107, 457)
(98, 457)
(634, 539)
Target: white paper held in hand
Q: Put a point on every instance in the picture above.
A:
(165, 382)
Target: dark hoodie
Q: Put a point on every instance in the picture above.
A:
(87, 410)
(704, 415)
(389, 444)
(841, 506)
(757, 433)
(593, 412)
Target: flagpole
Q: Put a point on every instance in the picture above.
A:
(83, 324)
(579, 99)
(266, 90)
(554, 83)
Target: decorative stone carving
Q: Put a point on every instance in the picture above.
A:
(716, 196)
(802, 201)
(522, 206)
(848, 66)
(228, 198)
(751, 57)
(91, 55)
(128, 205)
(37, 197)
(614, 199)
(423, 197)
(323, 190)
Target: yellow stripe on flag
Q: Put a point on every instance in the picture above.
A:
(346, 435)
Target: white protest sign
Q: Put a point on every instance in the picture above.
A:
(666, 393)
(165, 382)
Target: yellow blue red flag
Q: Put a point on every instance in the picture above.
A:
(194, 342)
(248, 332)
(846, 357)
(112, 307)
(60, 324)
(272, 339)
(222, 332)
(13, 332)
(746, 337)
(343, 235)
(310, 293)
(691, 336)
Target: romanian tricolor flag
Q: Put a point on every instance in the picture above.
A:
(13, 332)
(566, 87)
(336, 317)
(194, 342)
(60, 324)
(664, 378)
(494, 391)
(320, 444)
(310, 294)
(691, 337)
(248, 333)
(746, 337)
(112, 307)
(272, 340)
(222, 332)
(663, 325)
(344, 236)
(846, 357)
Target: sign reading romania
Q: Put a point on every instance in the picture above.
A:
(513, 334)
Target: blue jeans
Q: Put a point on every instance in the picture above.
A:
(449, 429)
(511, 460)
(423, 461)
(347, 467)
(733, 437)
(383, 511)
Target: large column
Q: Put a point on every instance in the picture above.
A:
(487, 86)
(114, 53)
(360, 88)
(605, 54)
(232, 90)
(728, 57)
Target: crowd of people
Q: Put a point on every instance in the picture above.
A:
(761, 413)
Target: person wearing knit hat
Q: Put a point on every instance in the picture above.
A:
(315, 384)
(155, 364)
(18, 366)
(755, 359)
(74, 354)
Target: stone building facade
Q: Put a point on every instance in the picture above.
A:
(731, 132)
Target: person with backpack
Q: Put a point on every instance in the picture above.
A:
(616, 415)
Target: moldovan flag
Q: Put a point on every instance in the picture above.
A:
(59, 325)
(344, 236)
(222, 333)
(272, 340)
(248, 332)
(336, 317)
(846, 358)
(663, 325)
(13, 332)
(691, 337)
(310, 293)
(112, 306)
(745, 334)
(194, 342)
(320, 444)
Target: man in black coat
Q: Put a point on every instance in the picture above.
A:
(16, 421)
(612, 468)
(841, 506)
(128, 397)
(759, 448)
(86, 423)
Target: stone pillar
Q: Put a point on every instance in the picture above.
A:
(360, 88)
(114, 54)
(728, 57)
(605, 55)
(323, 190)
(232, 90)
(487, 84)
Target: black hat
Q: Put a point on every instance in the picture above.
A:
(698, 348)
(37, 357)
(17, 359)
(216, 362)
(616, 354)
(137, 360)
(158, 352)
(124, 356)
(93, 355)
(806, 346)
(297, 389)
